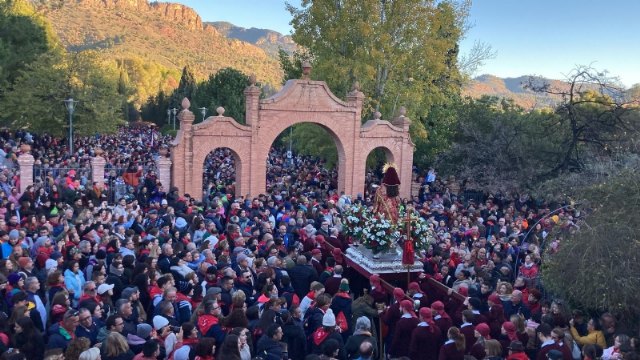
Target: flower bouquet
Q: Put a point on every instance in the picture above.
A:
(421, 234)
(354, 220)
(380, 234)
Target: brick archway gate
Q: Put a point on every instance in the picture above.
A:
(299, 101)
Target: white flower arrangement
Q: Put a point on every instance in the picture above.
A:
(421, 233)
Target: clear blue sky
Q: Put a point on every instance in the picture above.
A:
(541, 37)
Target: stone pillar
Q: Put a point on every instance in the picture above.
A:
(186, 118)
(164, 171)
(355, 185)
(26, 161)
(252, 102)
(97, 170)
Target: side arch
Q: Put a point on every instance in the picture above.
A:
(240, 150)
(396, 151)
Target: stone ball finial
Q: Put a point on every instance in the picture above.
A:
(252, 80)
(220, 111)
(306, 69)
(356, 86)
(402, 111)
(25, 148)
(377, 115)
(98, 151)
(186, 104)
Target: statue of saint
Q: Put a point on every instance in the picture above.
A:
(387, 197)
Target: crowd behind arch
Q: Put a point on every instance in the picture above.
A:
(157, 274)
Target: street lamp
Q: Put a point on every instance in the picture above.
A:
(70, 104)
(174, 111)
(203, 110)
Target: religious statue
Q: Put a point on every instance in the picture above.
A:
(387, 198)
(387, 203)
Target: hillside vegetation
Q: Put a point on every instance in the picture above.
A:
(153, 42)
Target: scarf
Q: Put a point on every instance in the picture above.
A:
(205, 322)
(320, 335)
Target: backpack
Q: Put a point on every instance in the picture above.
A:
(292, 299)
(192, 352)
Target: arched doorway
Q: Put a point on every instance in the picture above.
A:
(299, 101)
(305, 155)
(219, 173)
(374, 163)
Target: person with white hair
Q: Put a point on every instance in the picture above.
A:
(90, 354)
(361, 334)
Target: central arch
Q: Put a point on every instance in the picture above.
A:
(335, 141)
(299, 101)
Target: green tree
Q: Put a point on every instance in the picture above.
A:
(596, 266)
(312, 139)
(224, 88)
(593, 115)
(155, 109)
(291, 64)
(94, 83)
(24, 36)
(36, 100)
(127, 93)
(500, 146)
(186, 89)
(403, 53)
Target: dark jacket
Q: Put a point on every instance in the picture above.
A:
(301, 278)
(269, 349)
(32, 346)
(401, 337)
(91, 333)
(313, 320)
(425, 343)
(352, 346)
(448, 351)
(341, 303)
(293, 335)
(56, 339)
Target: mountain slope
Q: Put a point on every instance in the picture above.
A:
(268, 40)
(160, 38)
(512, 88)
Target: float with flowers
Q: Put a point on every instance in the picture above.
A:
(381, 245)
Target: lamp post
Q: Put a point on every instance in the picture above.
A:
(174, 111)
(70, 104)
(203, 110)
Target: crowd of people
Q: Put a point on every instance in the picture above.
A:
(161, 275)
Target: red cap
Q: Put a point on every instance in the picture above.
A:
(414, 286)
(391, 177)
(407, 305)
(316, 252)
(398, 294)
(437, 306)
(484, 330)
(426, 314)
(337, 255)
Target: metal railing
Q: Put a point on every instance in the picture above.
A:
(46, 177)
